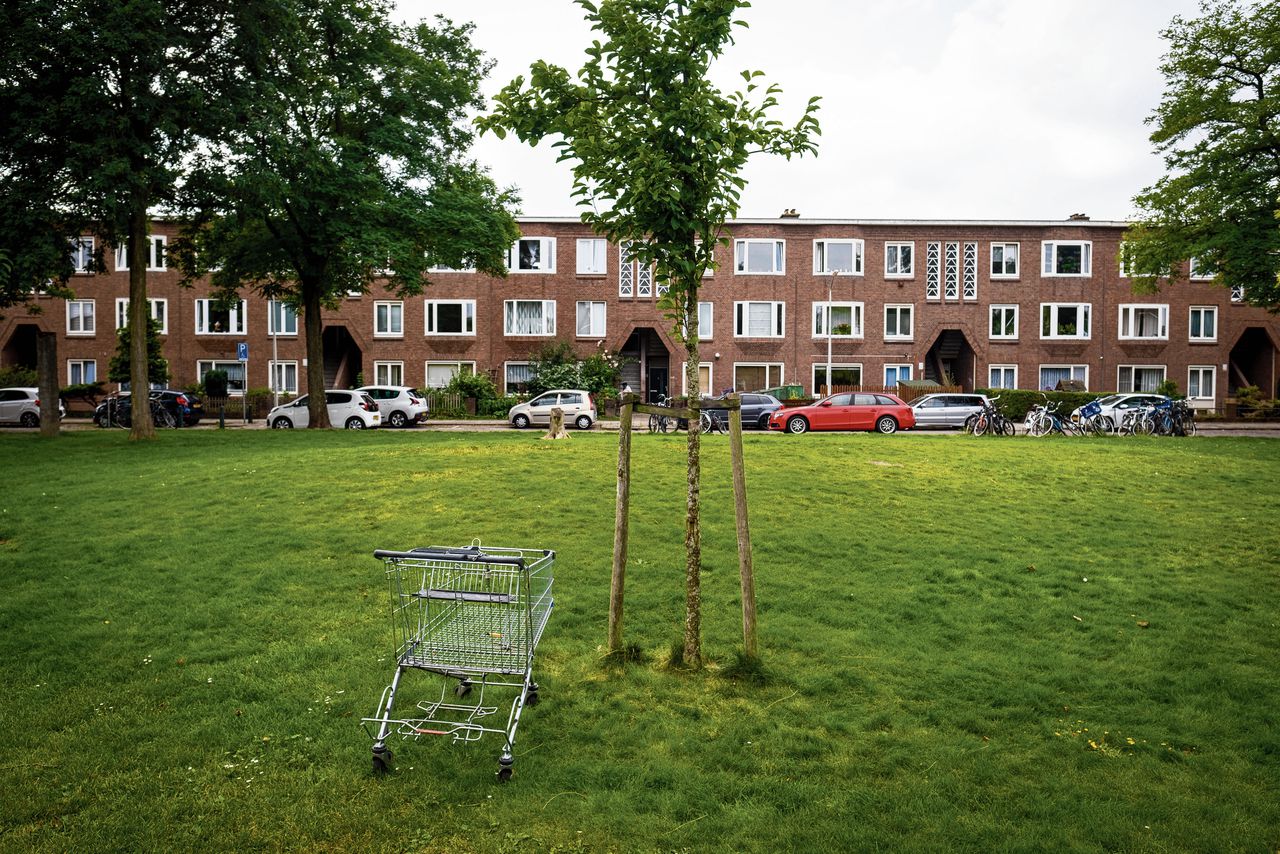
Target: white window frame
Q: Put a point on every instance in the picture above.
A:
(159, 311)
(1004, 258)
(459, 366)
(548, 320)
(1071, 367)
(1196, 275)
(82, 317)
(1131, 369)
(232, 367)
(546, 255)
(1127, 321)
(899, 335)
(1205, 311)
(1002, 369)
(1122, 261)
(154, 242)
(1203, 370)
(899, 367)
(821, 316)
(383, 373)
(777, 319)
(819, 373)
(592, 256)
(1004, 309)
(769, 368)
(279, 309)
(431, 321)
(394, 327)
(1049, 258)
(1053, 308)
(711, 385)
(895, 269)
(74, 364)
(742, 257)
(823, 267)
(82, 253)
(707, 326)
(278, 375)
(237, 318)
(506, 376)
(596, 309)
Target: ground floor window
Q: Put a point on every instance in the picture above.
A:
(235, 374)
(440, 374)
(1139, 378)
(1051, 375)
(284, 377)
(388, 373)
(753, 377)
(1200, 382)
(842, 377)
(705, 386)
(1002, 376)
(517, 377)
(894, 374)
(81, 371)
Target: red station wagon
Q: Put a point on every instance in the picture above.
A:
(885, 413)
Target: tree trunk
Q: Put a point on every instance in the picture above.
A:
(47, 367)
(692, 522)
(139, 313)
(317, 411)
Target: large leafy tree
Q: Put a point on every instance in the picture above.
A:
(102, 102)
(657, 153)
(1218, 127)
(347, 165)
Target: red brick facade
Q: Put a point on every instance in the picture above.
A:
(763, 325)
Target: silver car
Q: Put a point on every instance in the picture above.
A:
(353, 410)
(22, 406)
(399, 405)
(579, 408)
(946, 410)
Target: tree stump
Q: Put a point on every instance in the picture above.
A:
(557, 430)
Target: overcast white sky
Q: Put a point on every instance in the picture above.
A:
(932, 109)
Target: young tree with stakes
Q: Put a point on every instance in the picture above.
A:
(657, 153)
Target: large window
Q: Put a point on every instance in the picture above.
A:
(754, 377)
(592, 252)
(897, 322)
(1200, 379)
(759, 319)
(159, 312)
(157, 257)
(899, 260)
(82, 253)
(591, 319)
(1139, 377)
(837, 256)
(1004, 322)
(1002, 376)
(284, 377)
(451, 317)
(1051, 375)
(1144, 322)
(235, 374)
(532, 255)
(388, 320)
(839, 319)
(529, 317)
(82, 371)
(215, 318)
(842, 376)
(1204, 323)
(439, 374)
(1004, 260)
(894, 374)
(388, 373)
(1064, 319)
(759, 256)
(282, 319)
(80, 317)
(1067, 258)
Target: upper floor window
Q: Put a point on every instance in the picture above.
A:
(159, 311)
(1199, 272)
(1064, 319)
(1204, 323)
(451, 317)
(837, 256)
(529, 317)
(897, 322)
(591, 319)
(705, 326)
(80, 317)
(82, 253)
(157, 258)
(759, 319)
(388, 319)
(282, 319)
(1067, 258)
(592, 254)
(1004, 260)
(1004, 322)
(837, 319)
(759, 256)
(532, 255)
(215, 318)
(899, 260)
(1144, 322)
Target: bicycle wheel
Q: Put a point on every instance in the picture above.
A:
(1041, 426)
(163, 418)
(1144, 426)
(1007, 427)
(980, 424)
(664, 424)
(705, 423)
(1189, 426)
(653, 424)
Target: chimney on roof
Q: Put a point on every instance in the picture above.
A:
(1079, 217)
(790, 213)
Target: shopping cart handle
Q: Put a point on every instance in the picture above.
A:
(448, 554)
(466, 596)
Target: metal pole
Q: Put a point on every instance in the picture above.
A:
(830, 283)
(275, 354)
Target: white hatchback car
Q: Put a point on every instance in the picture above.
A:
(22, 406)
(353, 410)
(399, 405)
(579, 408)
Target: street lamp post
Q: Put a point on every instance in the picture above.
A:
(830, 287)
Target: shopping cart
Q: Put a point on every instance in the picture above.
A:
(473, 616)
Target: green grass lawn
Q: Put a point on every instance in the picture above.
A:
(952, 629)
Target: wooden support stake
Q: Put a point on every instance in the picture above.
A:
(620, 523)
(47, 379)
(745, 570)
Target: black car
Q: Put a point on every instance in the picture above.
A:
(756, 409)
(185, 407)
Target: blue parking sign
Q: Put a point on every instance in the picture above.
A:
(242, 351)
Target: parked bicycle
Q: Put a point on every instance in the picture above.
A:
(1044, 419)
(989, 419)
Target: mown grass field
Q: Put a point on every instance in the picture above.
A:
(952, 629)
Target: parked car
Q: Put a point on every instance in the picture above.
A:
(756, 409)
(400, 406)
(1114, 406)
(186, 408)
(885, 413)
(579, 409)
(354, 410)
(22, 406)
(946, 410)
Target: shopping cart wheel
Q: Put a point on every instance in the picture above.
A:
(382, 761)
(463, 688)
(504, 767)
(531, 695)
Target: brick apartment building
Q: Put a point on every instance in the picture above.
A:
(1014, 304)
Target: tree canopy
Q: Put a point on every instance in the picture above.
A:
(1218, 127)
(347, 164)
(657, 151)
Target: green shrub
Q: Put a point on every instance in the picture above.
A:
(479, 386)
(496, 407)
(16, 375)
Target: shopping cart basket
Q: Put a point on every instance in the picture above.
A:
(473, 616)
